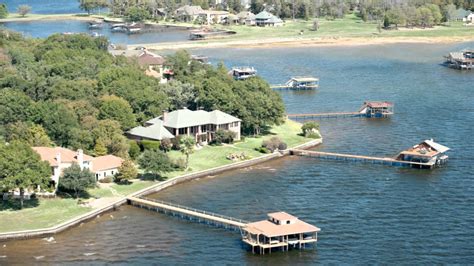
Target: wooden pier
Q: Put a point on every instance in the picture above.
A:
(324, 115)
(187, 213)
(359, 158)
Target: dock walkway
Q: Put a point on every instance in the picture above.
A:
(188, 213)
(360, 158)
(324, 115)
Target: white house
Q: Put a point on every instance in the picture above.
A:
(60, 158)
(469, 18)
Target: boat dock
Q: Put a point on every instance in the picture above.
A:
(378, 109)
(188, 213)
(280, 231)
(298, 83)
(324, 115)
(361, 158)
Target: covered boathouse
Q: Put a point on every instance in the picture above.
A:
(280, 231)
(377, 109)
(428, 152)
(461, 60)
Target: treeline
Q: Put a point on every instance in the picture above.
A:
(67, 90)
(399, 12)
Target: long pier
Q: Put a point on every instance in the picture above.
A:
(187, 213)
(358, 158)
(325, 115)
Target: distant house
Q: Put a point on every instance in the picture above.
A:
(469, 18)
(461, 14)
(246, 18)
(214, 16)
(61, 158)
(266, 19)
(202, 125)
(188, 13)
(153, 63)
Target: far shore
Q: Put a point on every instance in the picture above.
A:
(299, 42)
(36, 17)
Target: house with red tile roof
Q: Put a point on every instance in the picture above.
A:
(60, 158)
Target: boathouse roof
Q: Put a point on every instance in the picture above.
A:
(271, 229)
(427, 148)
(304, 79)
(378, 104)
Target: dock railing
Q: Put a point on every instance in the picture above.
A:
(175, 205)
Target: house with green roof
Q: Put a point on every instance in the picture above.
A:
(200, 124)
(265, 19)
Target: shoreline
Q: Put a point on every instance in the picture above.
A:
(44, 232)
(302, 42)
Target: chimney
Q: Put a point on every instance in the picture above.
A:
(80, 158)
(165, 114)
(58, 158)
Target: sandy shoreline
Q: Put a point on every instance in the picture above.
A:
(36, 17)
(300, 42)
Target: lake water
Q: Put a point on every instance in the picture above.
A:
(42, 29)
(45, 6)
(368, 213)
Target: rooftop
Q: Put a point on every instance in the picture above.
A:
(304, 79)
(147, 58)
(379, 104)
(282, 216)
(427, 148)
(156, 131)
(106, 162)
(271, 229)
(187, 118)
(67, 156)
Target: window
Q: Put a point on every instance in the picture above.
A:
(204, 128)
(112, 172)
(182, 131)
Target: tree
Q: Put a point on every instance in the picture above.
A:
(90, 5)
(116, 108)
(181, 95)
(99, 148)
(155, 162)
(27, 132)
(14, 106)
(3, 11)
(21, 168)
(137, 14)
(186, 146)
(76, 179)
(126, 172)
(449, 12)
(133, 149)
(24, 9)
(166, 145)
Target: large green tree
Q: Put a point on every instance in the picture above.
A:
(155, 162)
(27, 132)
(3, 10)
(116, 108)
(21, 169)
(76, 180)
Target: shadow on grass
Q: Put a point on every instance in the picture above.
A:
(14, 204)
(72, 195)
(151, 177)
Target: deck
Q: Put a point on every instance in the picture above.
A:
(188, 213)
(358, 158)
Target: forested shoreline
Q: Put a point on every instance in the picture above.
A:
(67, 90)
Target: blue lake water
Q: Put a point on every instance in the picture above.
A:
(45, 6)
(43, 29)
(369, 214)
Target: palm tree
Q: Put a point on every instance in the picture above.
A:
(186, 145)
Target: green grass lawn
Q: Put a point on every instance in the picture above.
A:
(43, 213)
(214, 156)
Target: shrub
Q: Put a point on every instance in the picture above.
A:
(282, 146)
(106, 179)
(313, 135)
(179, 163)
(166, 145)
(309, 127)
(224, 136)
(273, 144)
(150, 144)
(133, 149)
(262, 150)
(176, 143)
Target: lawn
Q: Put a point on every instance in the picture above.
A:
(214, 156)
(38, 214)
